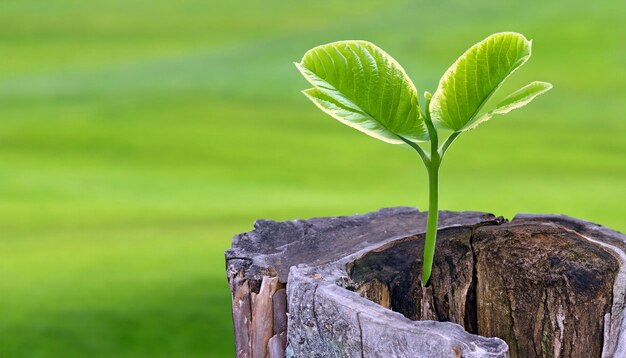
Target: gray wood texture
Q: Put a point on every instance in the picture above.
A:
(539, 286)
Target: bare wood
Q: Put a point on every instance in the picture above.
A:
(242, 316)
(277, 345)
(262, 317)
(428, 304)
(550, 286)
(376, 291)
(542, 287)
(399, 267)
(544, 290)
(279, 307)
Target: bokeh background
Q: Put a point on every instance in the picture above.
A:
(137, 137)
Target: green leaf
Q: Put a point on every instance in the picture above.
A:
(352, 117)
(363, 87)
(469, 83)
(515, 100)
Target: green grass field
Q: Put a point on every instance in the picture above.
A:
(136, 137)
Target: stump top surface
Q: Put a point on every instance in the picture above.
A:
(317, 241)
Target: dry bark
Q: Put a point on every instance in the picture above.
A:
(548, 293)
(242, 316)
(550, 286)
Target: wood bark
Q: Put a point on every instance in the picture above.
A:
(259, 319)
(549, 293)
(242, 316)
(548, 286)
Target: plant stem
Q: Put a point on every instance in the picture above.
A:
(418, 149)
(447, 143)
(433, 196)
(433, 218)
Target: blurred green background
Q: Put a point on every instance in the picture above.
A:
(137, 137)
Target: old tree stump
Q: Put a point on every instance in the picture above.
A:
(538, 286)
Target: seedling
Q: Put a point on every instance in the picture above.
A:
(361, 86)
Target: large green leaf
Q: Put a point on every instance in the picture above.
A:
(469, 83)
(361, 86)
(515, 100)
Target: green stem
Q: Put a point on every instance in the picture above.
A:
(433, 197)
(432, 163)
(433, 218)
(447, 143)
(418, 149)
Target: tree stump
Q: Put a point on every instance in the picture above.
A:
(538, 286)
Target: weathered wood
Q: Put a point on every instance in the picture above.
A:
(262, 317)
(399, 267)
(258, 317)
(279, 311)
(332, 321)
(376, 291)
(277, 345)
(550, 286)
(273, 248)
(242, 316)
(427, 304)
(614, 243)
(542, 289)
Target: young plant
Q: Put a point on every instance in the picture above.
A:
(361, 86)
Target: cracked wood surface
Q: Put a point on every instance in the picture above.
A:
(324, 314)
(543, 289)
(551, 286)
(273, 247)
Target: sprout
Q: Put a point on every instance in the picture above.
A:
(361, 86)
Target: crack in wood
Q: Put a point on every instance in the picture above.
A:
(358, 319)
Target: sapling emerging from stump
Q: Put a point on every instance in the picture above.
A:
(361, 86)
